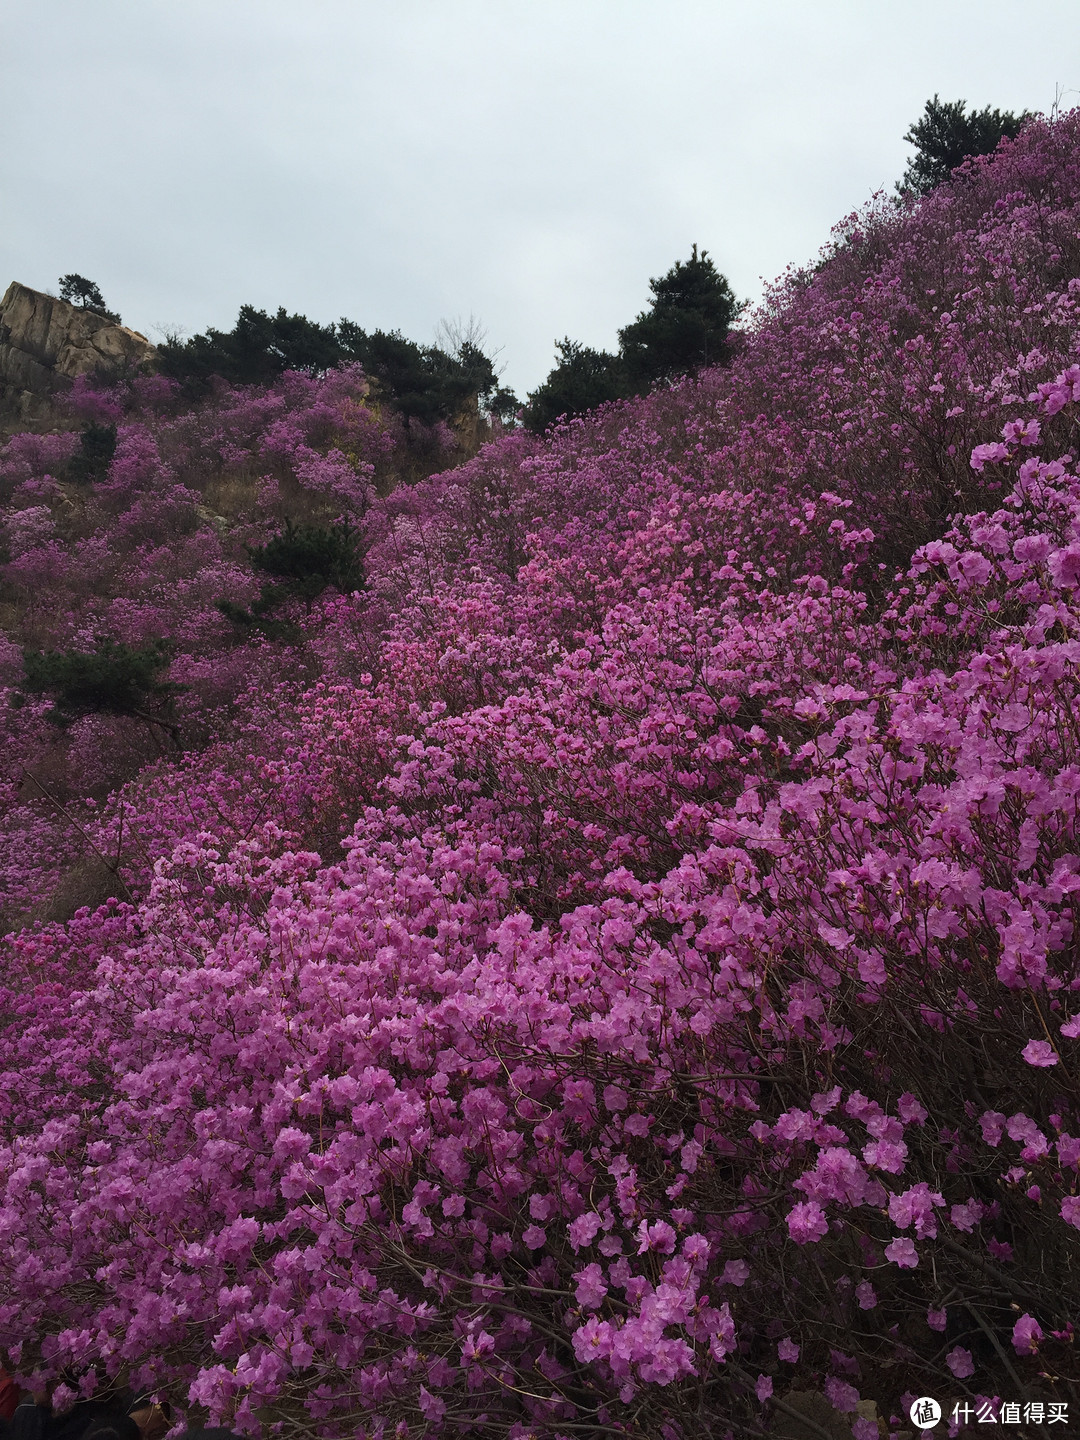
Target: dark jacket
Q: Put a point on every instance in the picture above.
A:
(38, 1422)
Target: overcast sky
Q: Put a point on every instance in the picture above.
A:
(529, 162)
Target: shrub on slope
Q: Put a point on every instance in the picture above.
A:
(142, 555)
(688, 1018)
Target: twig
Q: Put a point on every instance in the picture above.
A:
(1021, 1388)
(113, 869)
(788, 1410)
(1008, 1283)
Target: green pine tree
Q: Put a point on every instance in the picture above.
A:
(685, 328)
(77, 290)
(302, 561)
(112, 679)
(947, 134)
(582, 380)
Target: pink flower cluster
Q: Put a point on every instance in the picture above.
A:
(621, 965)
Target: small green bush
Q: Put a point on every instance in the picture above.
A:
(305, 559)
(302, 561)
(97, 446)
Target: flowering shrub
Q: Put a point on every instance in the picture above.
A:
(619, 968)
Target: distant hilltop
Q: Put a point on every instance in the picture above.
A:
(44, 342)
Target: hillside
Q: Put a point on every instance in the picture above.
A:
(606, 971)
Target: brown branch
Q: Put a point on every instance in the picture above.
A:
(112, 869)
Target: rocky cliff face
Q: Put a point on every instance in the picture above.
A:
(45, 342)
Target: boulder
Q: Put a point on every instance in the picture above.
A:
(46, 342)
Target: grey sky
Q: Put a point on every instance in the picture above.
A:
(531, 162)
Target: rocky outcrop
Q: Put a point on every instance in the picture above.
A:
(46, 342)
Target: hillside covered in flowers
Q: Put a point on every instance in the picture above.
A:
(611, 964)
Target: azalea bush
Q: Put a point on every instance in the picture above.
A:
(616, 970)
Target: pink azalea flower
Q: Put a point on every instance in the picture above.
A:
(590, 1286)
(960, 1362)
(1040, 1053)
(736, 1272)
(840, 1395)
(807, 1223)
(902, 1252)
